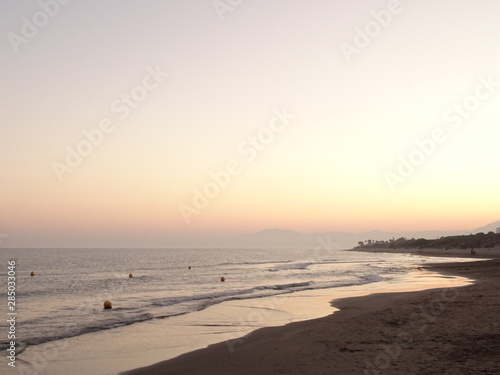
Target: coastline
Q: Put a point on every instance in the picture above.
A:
(444, 330)
(463, 253)
(110, 352)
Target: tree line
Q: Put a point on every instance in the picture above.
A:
(471, 241)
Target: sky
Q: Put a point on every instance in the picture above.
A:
(180, 123)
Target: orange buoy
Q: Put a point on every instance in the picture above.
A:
(222, 279)
(32, 273)
(107, 305)
(130, 275)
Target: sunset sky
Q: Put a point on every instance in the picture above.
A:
(214, 118)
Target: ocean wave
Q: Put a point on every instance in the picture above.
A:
(284, 286)
(293, 266)
(256, 263)
(123, 316)
(20, 346)
(59, 307)
(70, 330)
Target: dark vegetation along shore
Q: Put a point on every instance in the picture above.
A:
(488, 240)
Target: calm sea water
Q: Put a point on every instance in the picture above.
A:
(65, 297)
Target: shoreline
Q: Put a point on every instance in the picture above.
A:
(389, 332)
(134, 346)
(462, 253)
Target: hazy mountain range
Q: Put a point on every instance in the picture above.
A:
(279, 238)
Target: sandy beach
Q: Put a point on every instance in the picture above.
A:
(437, 331)
(462, 253)
(249, 187)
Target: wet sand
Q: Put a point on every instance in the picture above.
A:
(120, 349)
(440, 331)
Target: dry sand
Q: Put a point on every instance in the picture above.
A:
(441, 331)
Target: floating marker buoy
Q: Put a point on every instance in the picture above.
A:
(222, 279)
(107, 305)
(189, 267)
(130, 275)
(32, 274)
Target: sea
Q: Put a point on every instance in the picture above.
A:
(64, 299)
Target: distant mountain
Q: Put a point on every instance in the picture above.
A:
(280, 238)
(487, 228)
(274, 238)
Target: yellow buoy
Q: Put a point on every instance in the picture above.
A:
(107, 305)
(130, 275)
(222, 279)
(32, 274)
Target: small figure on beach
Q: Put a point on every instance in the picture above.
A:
(472, 252)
